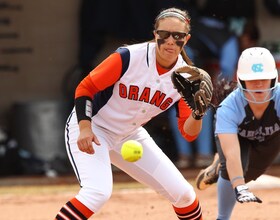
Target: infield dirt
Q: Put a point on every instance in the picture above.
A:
(39, 198)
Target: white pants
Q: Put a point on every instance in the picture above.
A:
(94, 172)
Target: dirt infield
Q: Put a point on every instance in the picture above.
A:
(21, 200)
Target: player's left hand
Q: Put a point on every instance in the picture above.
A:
(195, 88)
(244, 195)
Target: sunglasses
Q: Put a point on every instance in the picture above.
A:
(166, 34)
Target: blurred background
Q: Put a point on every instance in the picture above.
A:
(47, 47)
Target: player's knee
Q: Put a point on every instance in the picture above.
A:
(94, 199)
(185, 198)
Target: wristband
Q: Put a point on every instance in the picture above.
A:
(83, 106)
(236, 178)
(197, 117)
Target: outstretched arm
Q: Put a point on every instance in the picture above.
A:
(231, 150)
(195, 87)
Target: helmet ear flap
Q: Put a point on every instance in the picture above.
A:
(273, 83)
(242, 83)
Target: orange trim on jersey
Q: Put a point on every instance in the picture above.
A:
(161, 70)
(184, 110)
(103, 76)
(184, 113)
(82, 208)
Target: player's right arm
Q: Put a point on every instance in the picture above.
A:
(231, 150)
(226, 129)
(228, 117)
(103, 76)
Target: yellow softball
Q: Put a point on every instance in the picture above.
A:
(131, 150)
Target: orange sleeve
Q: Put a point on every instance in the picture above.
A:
(183, 113)
(103, 76)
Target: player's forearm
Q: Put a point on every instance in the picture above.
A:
(84, 124)
(192, 127)
(235, 171)
(231, 150)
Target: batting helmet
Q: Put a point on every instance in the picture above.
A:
(256, 63)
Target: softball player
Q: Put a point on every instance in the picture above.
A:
(248, 131)
(125, 91)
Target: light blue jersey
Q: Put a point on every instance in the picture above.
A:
(235, 117)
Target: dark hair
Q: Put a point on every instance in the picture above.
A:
(180, 14)
(251, 29)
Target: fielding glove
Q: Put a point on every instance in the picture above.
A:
(195, 88)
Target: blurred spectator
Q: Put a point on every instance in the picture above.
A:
(250, 35)
(219, 33)
(216, 31)
(273, 6)
(213, 40)
(198, 153)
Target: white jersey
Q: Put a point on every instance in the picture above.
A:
(139, 95)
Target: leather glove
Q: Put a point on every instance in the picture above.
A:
(196, 90)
